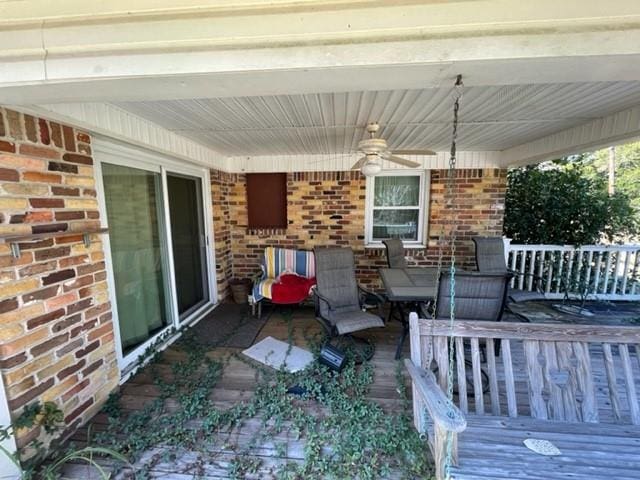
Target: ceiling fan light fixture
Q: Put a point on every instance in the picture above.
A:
(371, 169)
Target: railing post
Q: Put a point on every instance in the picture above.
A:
(507, 249)
(416, 358)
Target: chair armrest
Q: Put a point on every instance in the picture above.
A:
(366, 295)
(443, 412)
(320, 296)
(424, 310)
(317, 298)
(256, 277)
(378, 298)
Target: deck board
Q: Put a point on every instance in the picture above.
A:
(492, 447)
(237, 383)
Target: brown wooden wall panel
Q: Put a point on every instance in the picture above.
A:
(267, 200)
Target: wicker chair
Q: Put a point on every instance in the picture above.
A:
(339, 300)
(395, 253)
(490, 258)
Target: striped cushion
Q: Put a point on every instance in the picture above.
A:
(282, 260)
(262, 289)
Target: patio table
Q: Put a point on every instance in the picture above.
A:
(403, 286)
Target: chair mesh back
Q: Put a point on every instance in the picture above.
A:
(490, 254)
(478, 296)
(336, 280)
(395, 253)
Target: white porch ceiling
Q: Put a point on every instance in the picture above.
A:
(493, 117)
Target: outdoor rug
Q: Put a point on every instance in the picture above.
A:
(229, 325)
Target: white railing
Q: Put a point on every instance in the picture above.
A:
(604, 272)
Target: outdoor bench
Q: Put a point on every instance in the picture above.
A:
(572, 385)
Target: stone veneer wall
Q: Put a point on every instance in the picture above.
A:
(328, 208)
(56, 333)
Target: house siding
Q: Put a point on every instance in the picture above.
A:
(328, 209)
(56, 332)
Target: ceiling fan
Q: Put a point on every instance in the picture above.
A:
(376, 149)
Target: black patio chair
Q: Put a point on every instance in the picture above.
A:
(340, 302)
(395, 253)
(479, 297)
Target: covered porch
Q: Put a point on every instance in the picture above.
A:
(126, 163)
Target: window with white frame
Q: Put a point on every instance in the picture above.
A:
(395, 207)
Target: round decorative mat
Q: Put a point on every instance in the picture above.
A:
(542, 447)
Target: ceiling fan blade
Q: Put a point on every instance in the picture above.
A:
(358, 165)
(402, 161)
(414, 152)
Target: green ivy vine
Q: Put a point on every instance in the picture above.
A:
(338, 431)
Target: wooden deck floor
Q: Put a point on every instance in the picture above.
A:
(492, 448)
(238, 379)
(238, 383)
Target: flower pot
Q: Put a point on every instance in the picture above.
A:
(240, 289)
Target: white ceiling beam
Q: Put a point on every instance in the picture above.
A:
(235, 48)
(113, 122)
(618, 128)
(452, 12)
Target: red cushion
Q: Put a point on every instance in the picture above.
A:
(291, 288)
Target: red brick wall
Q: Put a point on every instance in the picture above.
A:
(56, 335)
(220, 186)
(478, 209)
(328, 208)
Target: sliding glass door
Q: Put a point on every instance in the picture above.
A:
(188, 241)
(157, 247)
(134, 204)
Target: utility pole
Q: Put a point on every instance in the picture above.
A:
(612, 170)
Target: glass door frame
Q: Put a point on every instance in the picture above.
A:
(195, 308)
(111, 151)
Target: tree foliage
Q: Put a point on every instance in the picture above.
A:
(627, 170)
(560, 203)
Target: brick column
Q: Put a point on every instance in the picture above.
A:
(220, 185)
(56, 332)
